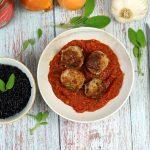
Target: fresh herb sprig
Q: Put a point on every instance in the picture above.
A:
(40, 120)
(30, 42)
(86, 20)
(138, 39)
(27, 43)
(39, 33)
(9, 85)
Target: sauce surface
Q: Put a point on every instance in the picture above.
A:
(112, 78)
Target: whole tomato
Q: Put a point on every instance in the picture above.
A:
(6, 11)
(71, 4)
(36, 5)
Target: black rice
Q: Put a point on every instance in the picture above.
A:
(14, 100)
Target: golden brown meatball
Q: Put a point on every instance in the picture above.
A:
(72, 79)
(97, 62)
(94, 88)
(72, 57)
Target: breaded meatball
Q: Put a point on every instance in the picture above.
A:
(72, 57)
(97, 62)
(94, 88)
(72, 79)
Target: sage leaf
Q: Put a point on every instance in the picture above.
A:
(34, 128)
(2, 86)
(31, 41)
(132, 37)
(43, 123)
(11, 82)
(138, 39)
(40, 118)
(89, 8)
(44, 115)
(97, 21)
(136, 51)
(25, 45)
(141, 38)
(78, 21)
(75, 20)
(39, 33)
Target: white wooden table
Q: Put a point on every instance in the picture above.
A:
(127, 129)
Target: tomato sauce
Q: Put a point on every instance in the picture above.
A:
(112, 77)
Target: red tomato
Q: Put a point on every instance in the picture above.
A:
(6, 11)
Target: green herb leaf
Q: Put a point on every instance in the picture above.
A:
(74, 20)
(78, 21)
(34, 128)
(31, 41)
(25, 45)
(132, 37)
(89, 7)
(2, 86)
(39, 33)
(138, 40)
(37, 126)
(40, 118)
(139, 58)
(141, 38)
(43, 123)
(136, 51)
(97, 21)
(11, 82)
(44, 115)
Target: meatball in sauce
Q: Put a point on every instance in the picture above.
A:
(94, 88)
(97, 62)
(72, 57)
(72, 79)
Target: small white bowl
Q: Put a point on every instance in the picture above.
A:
(24, 69)
(84, 33)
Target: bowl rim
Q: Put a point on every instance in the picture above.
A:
(94, 29)
(27, 107)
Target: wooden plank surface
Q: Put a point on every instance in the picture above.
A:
(127, 129)
(24, 26)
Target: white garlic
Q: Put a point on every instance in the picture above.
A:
(129, 10)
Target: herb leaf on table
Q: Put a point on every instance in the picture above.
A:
(136, 51)
(138, 39)
(97, 21)
(89, 8)
(86, 21)
(39, 33)
(26, 44)
(132, 37)
(141, 38)
(31, 41)
(40, 120)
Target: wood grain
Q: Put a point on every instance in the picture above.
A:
(24, 26)
(128, 129)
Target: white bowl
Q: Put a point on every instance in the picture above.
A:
(55, 45)
(24, 69)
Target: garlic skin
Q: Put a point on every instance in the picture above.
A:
(129, 10)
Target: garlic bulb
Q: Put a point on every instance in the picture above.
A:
(129, 10)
